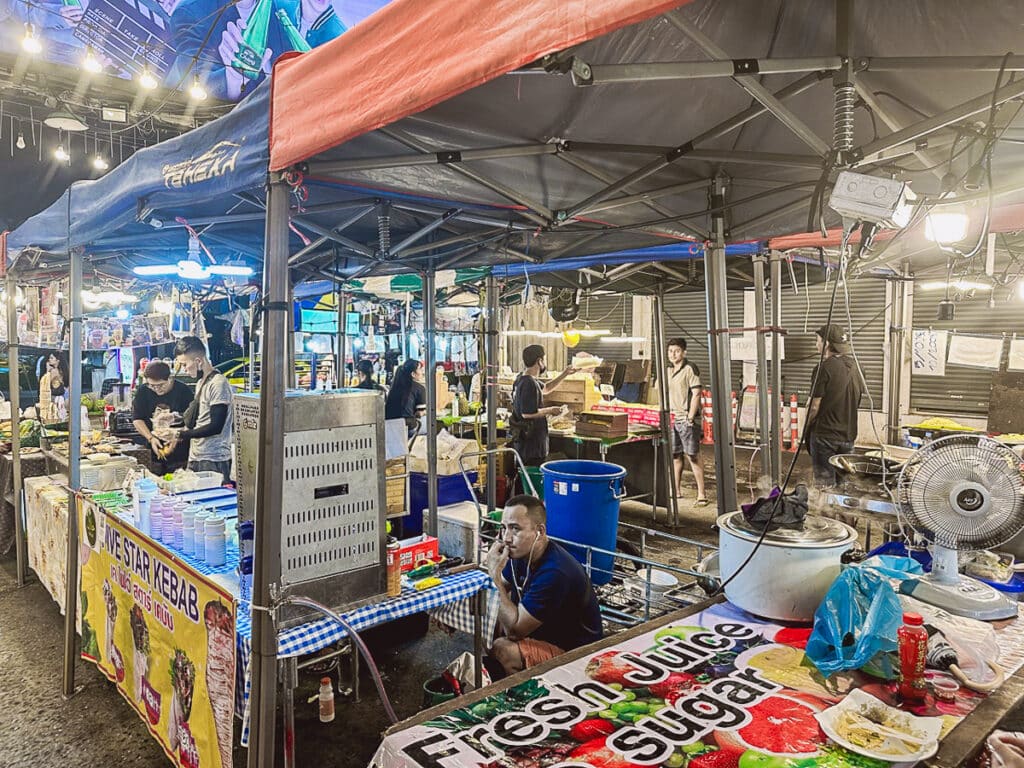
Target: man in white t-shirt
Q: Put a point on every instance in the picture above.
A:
(684, 402)
(208, 420)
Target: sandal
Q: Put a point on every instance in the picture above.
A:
(701, 503)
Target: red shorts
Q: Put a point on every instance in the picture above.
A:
(536, 651)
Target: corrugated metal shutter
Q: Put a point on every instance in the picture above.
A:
(962, 390)
(804, 313)
(686, 316)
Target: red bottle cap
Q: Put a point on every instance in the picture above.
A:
(913, 619)
(325, 681)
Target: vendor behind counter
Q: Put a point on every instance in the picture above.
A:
(161, 396)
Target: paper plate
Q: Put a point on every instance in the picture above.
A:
(891, 749)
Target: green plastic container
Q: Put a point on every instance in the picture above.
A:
(536, 477)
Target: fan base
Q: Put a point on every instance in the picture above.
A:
(967, 597)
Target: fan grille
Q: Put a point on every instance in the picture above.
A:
(963, 492)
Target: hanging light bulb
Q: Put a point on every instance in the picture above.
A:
(62, 154)
(197, 92)
(30, 43)
(100, 163)
(146, 79)
(20, 143)
(91, 63)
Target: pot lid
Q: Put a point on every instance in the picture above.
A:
(816, 532)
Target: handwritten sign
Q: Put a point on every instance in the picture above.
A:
(928, 352)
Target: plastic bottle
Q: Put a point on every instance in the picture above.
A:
(176, 539)
(188, 536)
(326, 700)
(215, 541)
(912, 638)
(143, 492)
(248, 58)
(297, 41)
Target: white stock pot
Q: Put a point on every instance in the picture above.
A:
(790, 573)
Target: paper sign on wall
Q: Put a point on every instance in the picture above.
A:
(975, 351)
(1016, 359)
(928, 352)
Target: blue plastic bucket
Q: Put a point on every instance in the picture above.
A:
(582, 500)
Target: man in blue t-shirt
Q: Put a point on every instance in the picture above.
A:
(547, 603)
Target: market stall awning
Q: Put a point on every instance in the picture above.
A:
(413, 54)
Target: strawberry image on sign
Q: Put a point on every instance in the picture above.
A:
(674, 686)
(598, 754)
(608, 668)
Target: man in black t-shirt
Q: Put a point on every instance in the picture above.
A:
(158, 392)
(529, 416)
(832, 415)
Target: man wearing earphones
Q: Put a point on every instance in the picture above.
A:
(547, 603)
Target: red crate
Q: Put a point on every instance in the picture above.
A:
(415, 550)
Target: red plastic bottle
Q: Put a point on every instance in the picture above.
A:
(913, 648)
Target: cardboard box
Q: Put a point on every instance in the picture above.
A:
(449, 451)
(415, 550)
(396, 486)
(602, 424)
(579, 394)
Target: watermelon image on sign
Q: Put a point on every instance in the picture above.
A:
(782, 725)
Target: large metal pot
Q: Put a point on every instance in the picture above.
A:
(788, 576)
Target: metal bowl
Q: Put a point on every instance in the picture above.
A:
(859, 465)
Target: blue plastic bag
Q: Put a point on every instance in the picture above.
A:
(855, 625)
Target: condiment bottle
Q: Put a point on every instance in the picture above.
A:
(326, 700)
(188, 536)
(216, 541)
(200, 533)
(394, 569)
(912, 638)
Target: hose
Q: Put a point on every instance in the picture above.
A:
(363, 650)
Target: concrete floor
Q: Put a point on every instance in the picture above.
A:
(96, 727)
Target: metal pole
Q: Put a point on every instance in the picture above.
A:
(665, 416)
(429, 323)
(267, 553)
(252, 349)
(764, 409)
(897, 335)
(775, 449)
(342, 337)
(721, 358)
(74, 457)
(293, 371)
(490, 382)
(601, 74)
(15, 392)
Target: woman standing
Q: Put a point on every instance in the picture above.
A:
(407, 395)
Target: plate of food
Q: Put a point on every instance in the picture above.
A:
(869, 727)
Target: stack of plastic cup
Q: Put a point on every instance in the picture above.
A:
(200, 533)
(156, 517)
(175, 539)
(216, 541)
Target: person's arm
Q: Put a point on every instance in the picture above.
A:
(514, 619)
(812, 410)
(552, 385)
(218, 418)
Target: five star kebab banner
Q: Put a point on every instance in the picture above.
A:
(164, 634)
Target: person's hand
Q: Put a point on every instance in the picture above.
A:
(230, 40)
(495, 560)
(552, 410)
(71, 14)
(310, 11)
(156, 444)
(1007, 749)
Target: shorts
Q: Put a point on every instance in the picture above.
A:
(536, 651)
(686, 437)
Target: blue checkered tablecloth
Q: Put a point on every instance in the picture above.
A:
(455, 589)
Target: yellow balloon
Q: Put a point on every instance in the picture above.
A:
(570, 337)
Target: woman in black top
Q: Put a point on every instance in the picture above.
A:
(407, 395)
(57, 367)
(366, 380)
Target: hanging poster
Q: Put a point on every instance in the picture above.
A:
(928, 352)
(975, 351)
(164, 634)
(719, 688)
(1016, 359)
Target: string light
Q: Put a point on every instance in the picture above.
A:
(197, 92)
(62, 154)
(146, 79)
(91, 63)
(100, 163)
(30, 43)
(20, 143)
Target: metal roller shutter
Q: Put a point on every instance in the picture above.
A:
(962, 390)
(686, 316)
(804, 313)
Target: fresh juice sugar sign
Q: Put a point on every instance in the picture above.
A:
(164, 634)
(716, 690)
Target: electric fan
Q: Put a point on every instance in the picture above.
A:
(961, 492)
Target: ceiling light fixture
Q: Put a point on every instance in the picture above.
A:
(62, 154)
(947, 226)
(20, 143)
(197, 92)
(100, 163)
(30, 43)
(622, 338)
(146, 79)
(91, 62)
(62, 120)
(93, 299)
(956, 285)
(193, 270)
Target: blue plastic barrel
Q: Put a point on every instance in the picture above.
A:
(582, 500)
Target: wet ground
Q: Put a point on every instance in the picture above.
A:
(96, 727)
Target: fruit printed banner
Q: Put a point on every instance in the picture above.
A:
(164, 634)
(719, 689)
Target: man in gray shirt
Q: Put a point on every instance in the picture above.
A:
(208, 419)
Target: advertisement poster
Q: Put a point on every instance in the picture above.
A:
(228, 47)
(164, 635)
(714, 690)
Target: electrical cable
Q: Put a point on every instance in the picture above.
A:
(847, 232)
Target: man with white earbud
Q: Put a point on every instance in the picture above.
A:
(547, 603)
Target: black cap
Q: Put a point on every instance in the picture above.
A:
(532, 354)
(836, 337)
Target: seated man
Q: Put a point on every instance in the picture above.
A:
(547, 603)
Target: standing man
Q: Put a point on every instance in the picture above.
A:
(832, 415)
(529, 420)
(684, 403)
(161, 393)
(546, 603)
(208, 419)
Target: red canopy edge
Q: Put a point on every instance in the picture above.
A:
(413, 54)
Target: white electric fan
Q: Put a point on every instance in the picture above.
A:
(962, 492)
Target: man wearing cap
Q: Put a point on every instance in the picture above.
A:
(529, 416)
(832, 415)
